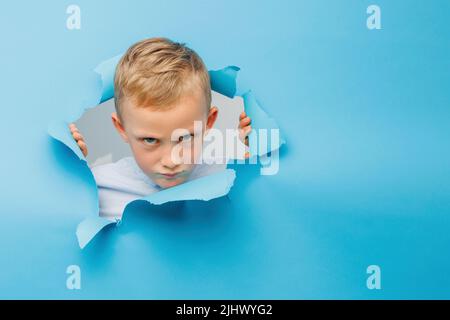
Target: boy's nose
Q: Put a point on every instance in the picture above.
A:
(167, 161)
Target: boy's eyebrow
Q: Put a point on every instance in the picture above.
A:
(142, 135)
(190, 131)
(146, 135)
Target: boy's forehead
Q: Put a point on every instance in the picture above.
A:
(162, 121)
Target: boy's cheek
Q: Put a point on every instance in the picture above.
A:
(145, 160)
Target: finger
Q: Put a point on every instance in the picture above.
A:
(245, 122)
(81, 144)
(83, 147)
(73, 127)
(242, 115)
(243, 133)
(247, 130)
(77, 136)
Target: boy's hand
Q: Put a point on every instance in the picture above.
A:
(78, 138)
(244, 129)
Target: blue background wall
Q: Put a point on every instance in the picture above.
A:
(364, 178)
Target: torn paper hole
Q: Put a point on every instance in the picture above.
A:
(106, 148)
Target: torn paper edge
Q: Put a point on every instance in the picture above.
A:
(211, 187)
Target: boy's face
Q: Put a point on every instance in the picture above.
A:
(150, 135)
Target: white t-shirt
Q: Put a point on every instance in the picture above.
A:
(122, 182)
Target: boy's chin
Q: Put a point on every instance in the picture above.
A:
(168, 183)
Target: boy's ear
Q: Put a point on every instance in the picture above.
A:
(212, 117)
(119, 127)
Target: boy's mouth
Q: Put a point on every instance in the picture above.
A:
(171, 176)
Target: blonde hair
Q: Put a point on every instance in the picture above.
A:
(156, 72)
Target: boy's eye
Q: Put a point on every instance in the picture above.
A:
(186, 137)
(150, 141)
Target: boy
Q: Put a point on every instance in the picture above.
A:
(160, 86)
